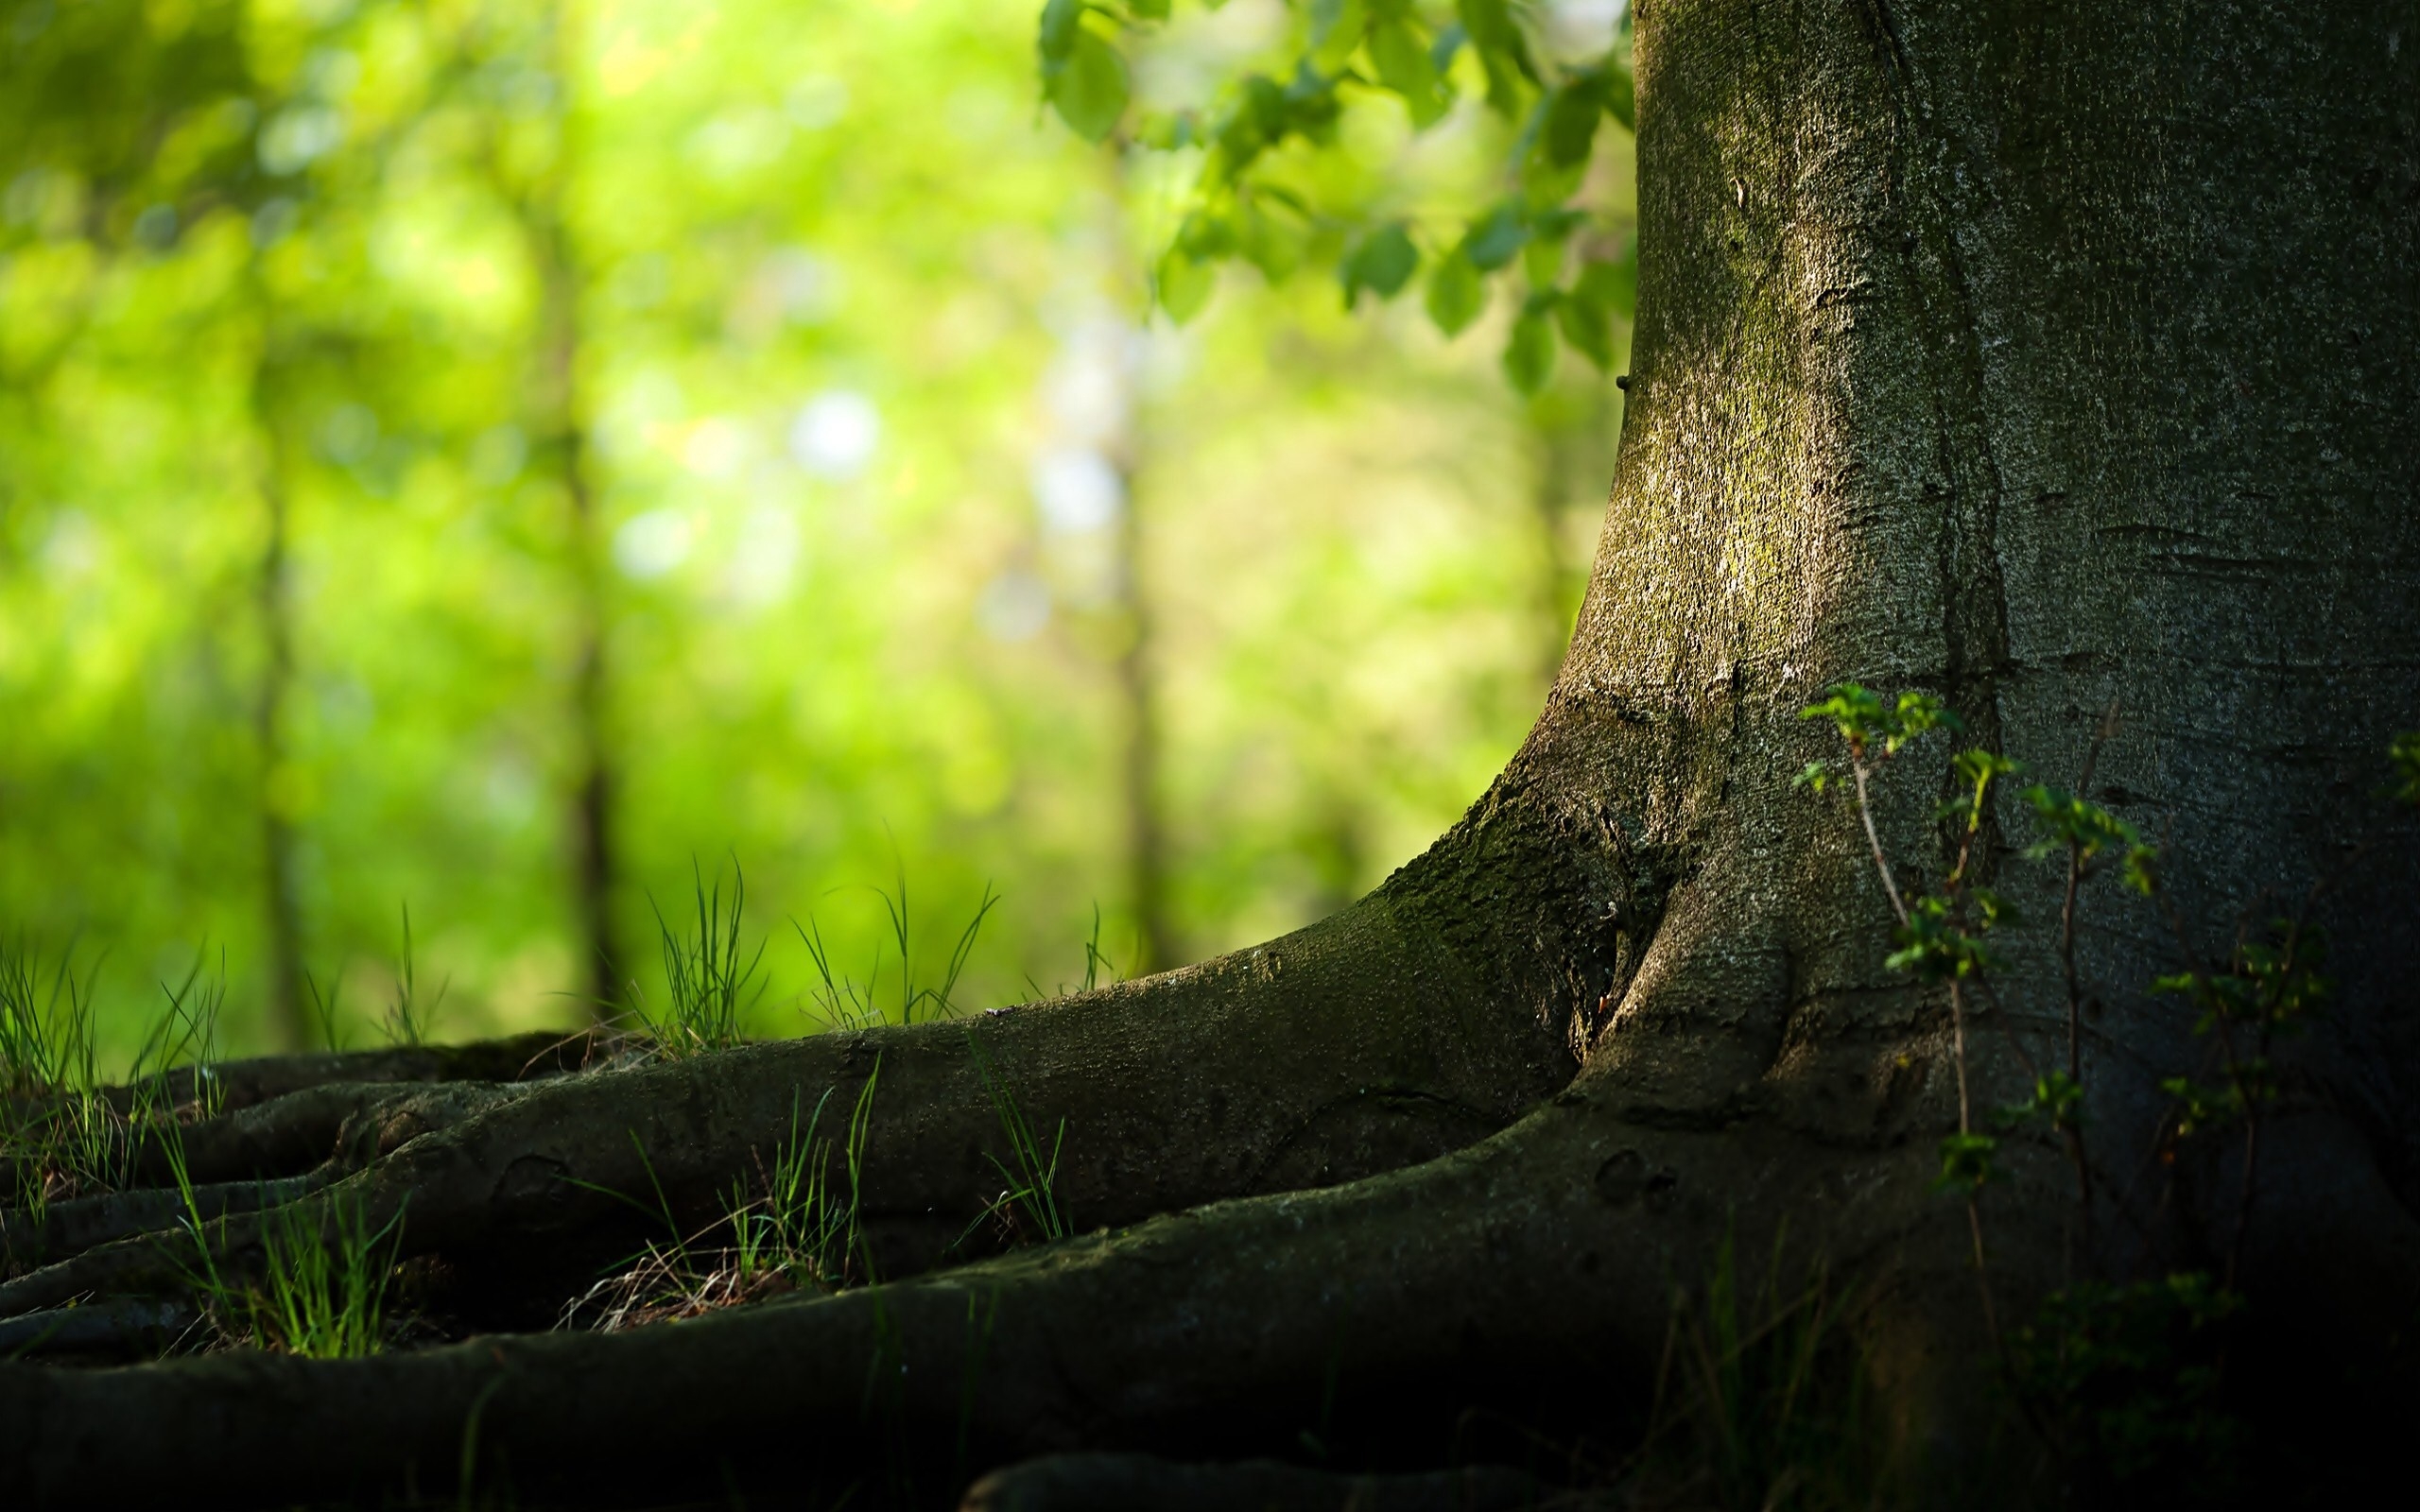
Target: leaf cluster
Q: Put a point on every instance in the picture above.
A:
(1427, 56)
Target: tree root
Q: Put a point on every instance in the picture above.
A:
(68, 1229)
(1514, 1276)
(1344, 1050)
(233, 1085)
(1121, 1482)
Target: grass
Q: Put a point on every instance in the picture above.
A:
(800, 1231)
(709, 988)
(62, 1134)
(325, 1274)
(843, 1003)
(406, 1022)
(1031, 1200)
(1761, 1401)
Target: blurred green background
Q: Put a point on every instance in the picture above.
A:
(497, 456)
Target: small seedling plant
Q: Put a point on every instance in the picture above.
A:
(2121, 1376)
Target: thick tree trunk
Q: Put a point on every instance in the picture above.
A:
(2049, 362)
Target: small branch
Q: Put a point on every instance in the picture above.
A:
(1874, 842)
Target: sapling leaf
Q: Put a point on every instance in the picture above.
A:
(1966, 1165)
(2404, 751)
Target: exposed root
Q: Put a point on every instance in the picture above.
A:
(1506, 1277)
(1121, 1482)
(66, 1228)
(229, 1086)
(1344, 1050)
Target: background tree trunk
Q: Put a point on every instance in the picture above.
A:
(290, 1017)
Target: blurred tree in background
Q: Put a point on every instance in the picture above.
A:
(493, 456)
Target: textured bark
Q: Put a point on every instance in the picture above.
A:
(2047, 361)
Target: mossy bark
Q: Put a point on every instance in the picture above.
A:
(2053, 361)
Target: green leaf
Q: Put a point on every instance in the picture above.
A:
(1059, 28)
(1183, 285)
(1455, 294)
(1569, 129)
(1494, 238)
(1382, 262)
(1502, 53)
(1088, 86)
(2404, 752)
(1450, 38)
(1529, 357)
(1621, 94)
(1404, 66)
(1148, 9)
(1269, 244)
(1612, 286)
(1589, 330)
(1337, 29)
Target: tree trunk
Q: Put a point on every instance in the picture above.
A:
(595, 852)
(2047, 362)
(290, 1018)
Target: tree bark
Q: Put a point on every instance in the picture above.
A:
(2045, 362)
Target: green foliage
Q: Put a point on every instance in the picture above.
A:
(2085, 829)
(1868, 723)
(2130, 1378)
(1942, 940)
(2271, 983)
(2403, 754)
(1083, 75)
(1259, 140)
(2056, 1097)
(1381, 261)
(1967, 1164)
